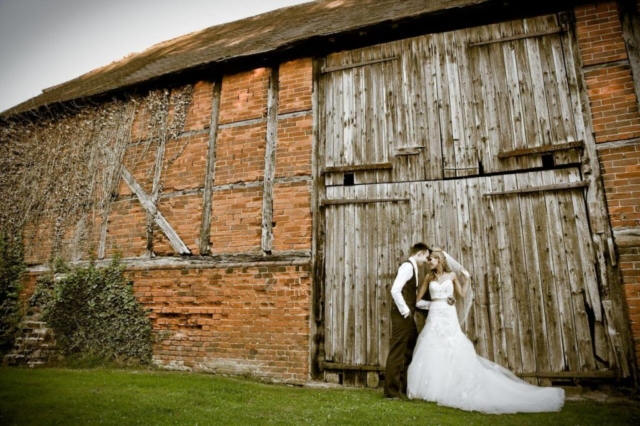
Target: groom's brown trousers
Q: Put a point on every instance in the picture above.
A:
(404, 334)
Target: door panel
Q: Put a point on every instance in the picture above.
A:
(528, 252)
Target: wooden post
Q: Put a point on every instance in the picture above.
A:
(270, 162)
(205, 230)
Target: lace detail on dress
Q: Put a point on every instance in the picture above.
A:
(442, 315)
(441, 290)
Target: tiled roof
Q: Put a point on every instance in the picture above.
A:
(251, 36)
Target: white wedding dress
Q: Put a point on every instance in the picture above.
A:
(446, 369)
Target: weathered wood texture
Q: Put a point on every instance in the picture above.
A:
(528, 252)
(205, 229)
(465, 96)
(270, 162)
(154, 214)
(487, 100)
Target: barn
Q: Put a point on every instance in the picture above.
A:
(263, 179)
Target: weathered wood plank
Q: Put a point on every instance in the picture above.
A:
(409, 150)
(348, 313)
(541, 149)
(330, 286)
(433, 154)
(561, 278)
(339, 283)
(357, 288)
(154, 213)
(517, 37)
(372, 317)
(543, 188)
(520, 281)
(502, 308)
(575, 277)
(527, 98)
(385, 273)
(355, 65)
(357, 167)
(548, 292)
(485, 263)
(534, 275)
(363, 201)
(513, 89)
(209, 176)
(444, 105)
(503, 122)
(467, 160)
(346, 366)
(266, 240)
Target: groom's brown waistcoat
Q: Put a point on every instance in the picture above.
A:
(410, 289)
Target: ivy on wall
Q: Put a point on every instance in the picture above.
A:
(94, 313)
(61, 170)
(11, 269)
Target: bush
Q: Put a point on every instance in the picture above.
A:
(94, 313)
(11, 269)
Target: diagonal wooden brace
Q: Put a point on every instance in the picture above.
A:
(150, 207)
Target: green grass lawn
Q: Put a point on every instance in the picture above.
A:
(148, 397)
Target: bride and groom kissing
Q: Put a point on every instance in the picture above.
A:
(439, 363)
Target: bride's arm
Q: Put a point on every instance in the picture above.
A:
(460, 289)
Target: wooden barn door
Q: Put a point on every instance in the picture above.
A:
(363, 237)
(526, 241)
(473, 140)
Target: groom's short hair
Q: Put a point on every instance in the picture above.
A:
(417, 248)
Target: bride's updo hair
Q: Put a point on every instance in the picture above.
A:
(443, 265)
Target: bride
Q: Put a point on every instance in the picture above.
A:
(445, 367)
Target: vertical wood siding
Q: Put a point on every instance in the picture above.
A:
(429, 129)
(528, 254)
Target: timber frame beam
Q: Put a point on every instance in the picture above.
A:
(154, 213)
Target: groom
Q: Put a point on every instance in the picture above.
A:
(404, 332)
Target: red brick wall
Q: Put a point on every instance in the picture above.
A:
(235, 320)
(199, 113)
(244, 96)
(610, 87)
(293, 151)
(240, 154)
(236, 222)
(184, 214)
(621, 174)
(126, 231)
(292, 216)
(295, 86)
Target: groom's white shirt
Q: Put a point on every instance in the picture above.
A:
(405, 272)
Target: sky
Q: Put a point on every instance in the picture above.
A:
(47, 42)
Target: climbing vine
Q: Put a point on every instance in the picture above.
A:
(11, 269)
(61, 170)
